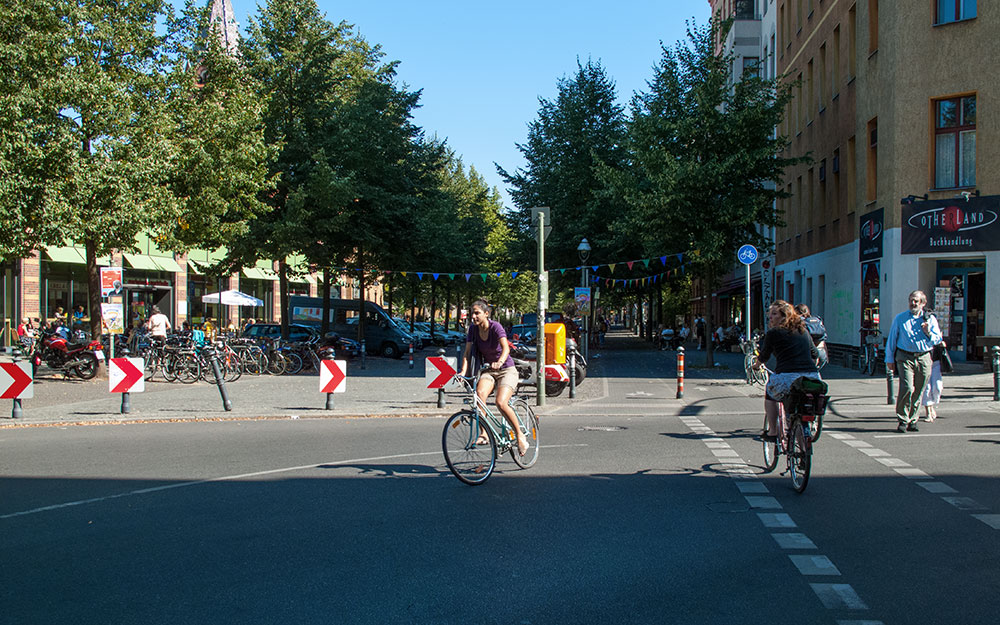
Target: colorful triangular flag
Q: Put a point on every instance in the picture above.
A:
(435, 275)
(420, 275)
(629, 263)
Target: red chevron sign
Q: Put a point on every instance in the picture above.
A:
(332, 376)
(438, 371)
(15, 380)
(125, 375)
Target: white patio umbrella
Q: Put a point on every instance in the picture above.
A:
(232, 298)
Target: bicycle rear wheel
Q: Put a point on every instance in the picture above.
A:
(799, 456)
(187, 368)
(770, 452)
(870, 359)
(471, 463)
(528, 423)
(294, 363)
(751, 375)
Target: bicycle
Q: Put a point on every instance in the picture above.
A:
(750, 350)
(795, 416)
(871, 339)
(473, 461)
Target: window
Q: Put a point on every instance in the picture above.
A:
(852, 172)
(822, 77)
(810, 92)
(751, 66)
(744, 10)
(835, 79)
(852, 42)
(872, 26)
(955, 10)
(871, 190)
(955, 142)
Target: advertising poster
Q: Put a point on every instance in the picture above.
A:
(112, 279)
(582, 296)
(952, 225)
(114, 317)
(870, 236)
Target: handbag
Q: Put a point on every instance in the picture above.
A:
(944, 358)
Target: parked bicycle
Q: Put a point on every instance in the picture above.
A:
(799, 424)
(750, 350)
(473, 438)
(871, 346)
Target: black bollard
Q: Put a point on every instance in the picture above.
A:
(996, 373)
(329, 401)
(126, 403)
(364, 353)
(440, 404)
(213, 359)
(16, 412)
(572, 373)
(411, 354)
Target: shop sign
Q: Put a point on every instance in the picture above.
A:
(952, 225)
(870, 237)
(140, 282)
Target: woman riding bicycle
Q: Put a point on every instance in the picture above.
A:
(490, 341)
(796, 356)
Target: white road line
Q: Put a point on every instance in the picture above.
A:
(893, 462)
(912, 473)
(814, 565)
(841, 436)
(776, 519)
(793, 540)
(856, 443)
(763, 502)
(229, 478)
(936, 487)
(752, 487)
(964, 503)
(912, 435)
(872, 452)
(839, 596)
(993, 520)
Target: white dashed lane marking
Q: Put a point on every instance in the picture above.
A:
(927, 482)
(833, 596)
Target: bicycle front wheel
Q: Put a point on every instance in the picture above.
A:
(528, 422)
(751, 375)
(472, 463)
(770, 452)
(799, 457)
(870, 359)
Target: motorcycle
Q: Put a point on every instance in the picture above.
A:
(556, 375)
(79, 359)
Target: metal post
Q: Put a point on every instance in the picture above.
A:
(572, 374)
(16, 412)
(329, 401)
(586, 320)
(213, 359)
(364, 353)
(890, 393)
(411, 354)
(540, 337)
(748, 302)
(996, 373)
(126, 403)
(680, 372)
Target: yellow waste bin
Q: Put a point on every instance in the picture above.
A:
(555, 343)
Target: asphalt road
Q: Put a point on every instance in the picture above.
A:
(642, 508)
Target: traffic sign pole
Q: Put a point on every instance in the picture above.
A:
(748, 256)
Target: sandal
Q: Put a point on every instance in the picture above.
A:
(482, 440)
(527, 446)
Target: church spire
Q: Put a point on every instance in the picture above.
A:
(223, 21)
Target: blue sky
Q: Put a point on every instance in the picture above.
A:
(483, 65)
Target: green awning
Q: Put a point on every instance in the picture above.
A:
(196, 267)
(167, 263)
(141, 261)
(306, 279)
(66, 255)
(256, 273)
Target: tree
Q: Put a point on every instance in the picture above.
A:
(35, 143)
(705, 165)
(112, 97)
(583, 127)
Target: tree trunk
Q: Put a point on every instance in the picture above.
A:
(282, 297)
(413, 306)
(324, 325)
(94, 284)
(433, 306)
(447, 306)
(361, 296)
(388, 294)
(710, 325)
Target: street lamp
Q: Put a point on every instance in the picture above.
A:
(584, 251)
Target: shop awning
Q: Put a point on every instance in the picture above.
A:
(166, 263)
(141, 261)
(256, 273)
(66, 255)
(196, 267)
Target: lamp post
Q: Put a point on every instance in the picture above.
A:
(584, 251)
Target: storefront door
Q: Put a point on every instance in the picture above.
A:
(960, 302)
(141, 302)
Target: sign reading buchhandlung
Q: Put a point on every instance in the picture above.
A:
(952, 225)
(870, 237)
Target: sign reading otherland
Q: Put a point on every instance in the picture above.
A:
(952, 225)
(870, 236)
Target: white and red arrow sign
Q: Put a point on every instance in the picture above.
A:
(333, 376)
(125, 375)
(439, 370)
(15, 380)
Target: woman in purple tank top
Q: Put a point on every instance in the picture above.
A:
(488, 338)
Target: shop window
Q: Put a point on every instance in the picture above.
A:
(955, 142)
(954, 10)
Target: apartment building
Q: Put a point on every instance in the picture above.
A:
(898, 195)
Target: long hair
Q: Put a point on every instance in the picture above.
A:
(483, 306)
(791, 321)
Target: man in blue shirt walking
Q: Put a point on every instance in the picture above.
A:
(908, 353)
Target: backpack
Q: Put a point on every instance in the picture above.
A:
(816, 329)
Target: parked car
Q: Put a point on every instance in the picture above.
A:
(422, 337)
(382, 335)
(345, 348)
(525, 333)
(457, 335)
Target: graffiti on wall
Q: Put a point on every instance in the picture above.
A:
(842, 325)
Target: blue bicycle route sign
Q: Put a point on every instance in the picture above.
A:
(747, 254)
